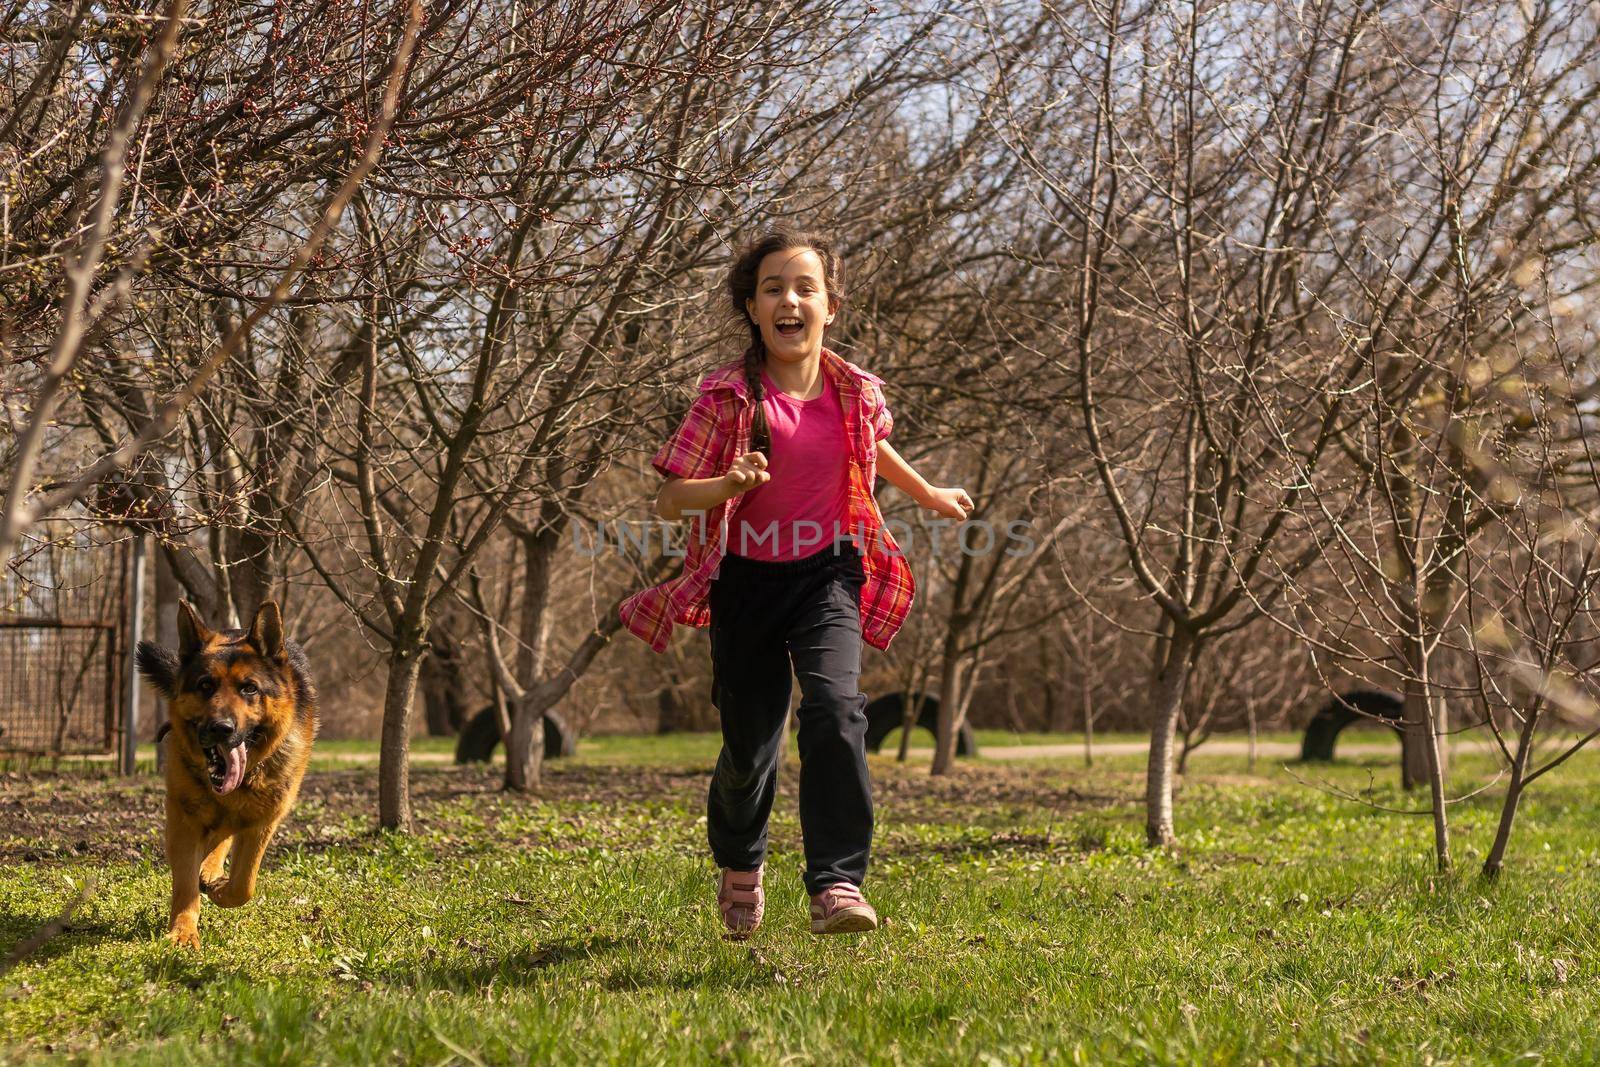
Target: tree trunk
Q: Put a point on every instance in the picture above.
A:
(394, 755)
(168, 592)
(1088, 728)
(1052, 714)
(1015, 716)
(525, 746)
(1422, 728)
(944, 750)
(1250, 720)
(1413, 744)
(670, 715)
(251, 571)
(502, 711)
(1087, 696)
(910, 711)
(1441, 817)
(1495, 860)
(957, 686)
(1167, 701)
(1414, 718)
(443, 692)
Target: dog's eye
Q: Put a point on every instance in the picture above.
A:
(248, 689)
(205, 687)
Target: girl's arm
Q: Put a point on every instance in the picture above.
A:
(679, 495)
(700, 495)
(952, 503)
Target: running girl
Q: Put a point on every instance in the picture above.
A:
(776, 457)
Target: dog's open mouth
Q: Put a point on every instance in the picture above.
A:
(225, 766)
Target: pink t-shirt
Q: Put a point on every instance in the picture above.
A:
(804, 508)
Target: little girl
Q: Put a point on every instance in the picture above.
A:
(775, 458)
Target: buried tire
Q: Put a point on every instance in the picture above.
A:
(481, 736)
(886, 714)
(1323, 731)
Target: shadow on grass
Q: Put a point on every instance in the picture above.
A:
(622, 965)
(15, 929)
(997, 845)
(746, 968)
(521, 966)
(185, 967)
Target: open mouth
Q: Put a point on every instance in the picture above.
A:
(225, 766)
(787, 327)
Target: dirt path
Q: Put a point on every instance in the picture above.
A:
(1275, 750)
(1264, 750)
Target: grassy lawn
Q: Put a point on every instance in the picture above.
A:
(1026, 923)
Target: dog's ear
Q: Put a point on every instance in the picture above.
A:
(266, 633)
(159, 665)
(192, 633)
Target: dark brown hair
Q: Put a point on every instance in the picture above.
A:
(742, 279)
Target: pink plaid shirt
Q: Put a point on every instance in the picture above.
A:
(717, 430)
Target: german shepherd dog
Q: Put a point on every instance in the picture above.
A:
(243, 714)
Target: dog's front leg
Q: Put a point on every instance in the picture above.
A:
(216, 850)
(248, 847)
(183, 856)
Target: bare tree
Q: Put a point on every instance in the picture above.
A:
(1182, 225)
(92, 297)
(1471, 189)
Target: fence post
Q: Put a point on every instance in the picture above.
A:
(130, 673)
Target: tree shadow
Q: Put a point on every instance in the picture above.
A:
(185, 967)
(1004, 843)
(756, 974)
(519, 967)
(746, 967)
(16, 929)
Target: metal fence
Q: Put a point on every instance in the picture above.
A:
(63, 646)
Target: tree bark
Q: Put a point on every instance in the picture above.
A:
(1167, 700)
(909, 712)
(443, 691)
(394, 756)
(1250, 722)
(525, 746)
(1088, 727)
(1421, 727)
(1086, 697)
(525, 749)
(168, 592)
(1495, 860)
(670, 717)
(1052, 713)
(1414, 741)
(950, 708)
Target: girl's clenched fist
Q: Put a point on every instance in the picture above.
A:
(747, 472)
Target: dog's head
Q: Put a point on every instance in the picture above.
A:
(231, 692)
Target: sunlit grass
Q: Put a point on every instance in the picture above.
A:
(1026, 923)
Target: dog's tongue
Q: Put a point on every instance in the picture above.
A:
(235, 758)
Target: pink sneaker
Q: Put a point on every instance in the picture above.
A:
(841, 909)
(741, 901)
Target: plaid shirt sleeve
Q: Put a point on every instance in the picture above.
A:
(877, 411)
(694, 450)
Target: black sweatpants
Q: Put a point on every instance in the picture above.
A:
(765, 615)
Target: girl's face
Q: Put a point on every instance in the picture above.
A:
(791, 306)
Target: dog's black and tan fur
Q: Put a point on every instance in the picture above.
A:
(243, 715)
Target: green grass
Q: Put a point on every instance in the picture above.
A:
(1026, 924)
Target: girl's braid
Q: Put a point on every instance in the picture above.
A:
(755, 357)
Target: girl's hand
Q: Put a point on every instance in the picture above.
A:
(747, 472)
(952, 503)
